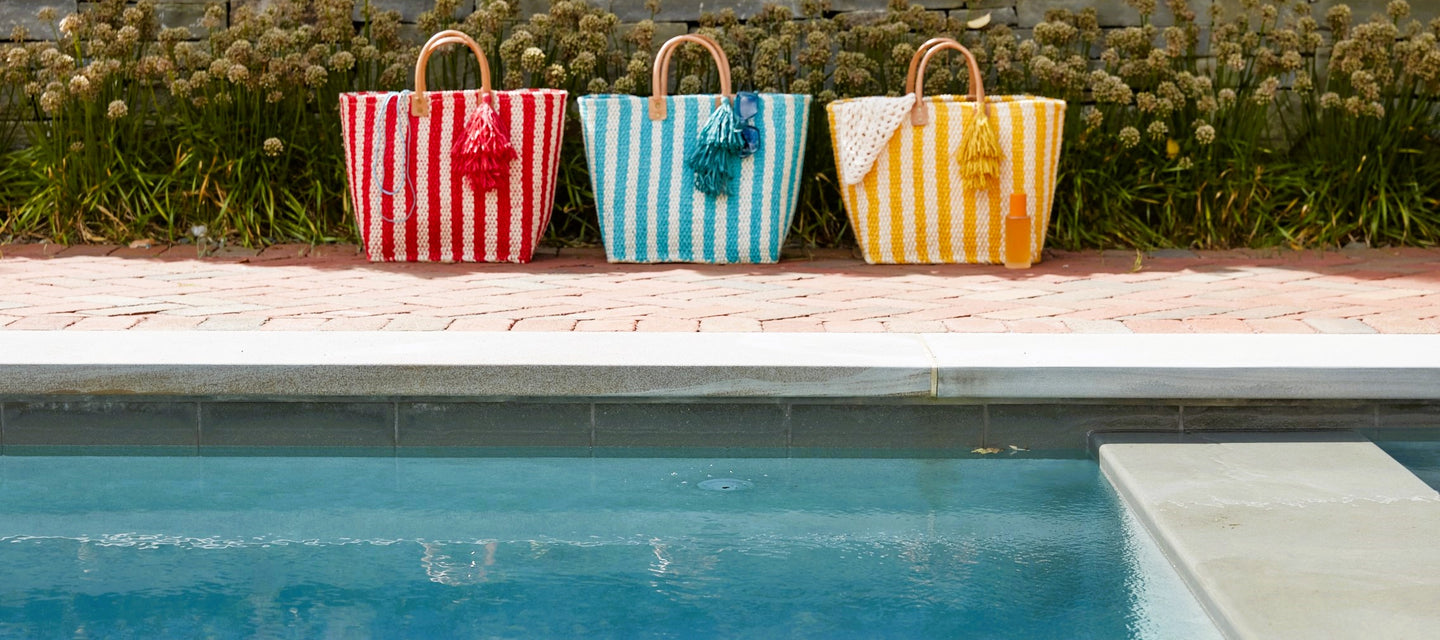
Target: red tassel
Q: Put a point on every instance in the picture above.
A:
(483, 151)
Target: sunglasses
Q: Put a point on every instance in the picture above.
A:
(747, 106)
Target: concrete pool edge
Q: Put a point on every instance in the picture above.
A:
(403, 393)
(1287, 535)
(720, 365)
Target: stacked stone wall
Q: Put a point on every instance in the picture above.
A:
(677, 15)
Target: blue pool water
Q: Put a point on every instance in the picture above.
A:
(1421, 457)
(565, 548)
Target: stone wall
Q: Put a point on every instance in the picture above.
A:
(173, 13)
(679, 16)
(1022, 14)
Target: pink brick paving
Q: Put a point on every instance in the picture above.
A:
(333, 288)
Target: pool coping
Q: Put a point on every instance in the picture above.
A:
(787, 395)
(1294, 535)
(719, 365)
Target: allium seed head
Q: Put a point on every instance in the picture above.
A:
(1205, 134)
(1157, 130)
(1129, 137)
(237, 73)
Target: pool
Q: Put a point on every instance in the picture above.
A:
(1421, 457)
(231, 547)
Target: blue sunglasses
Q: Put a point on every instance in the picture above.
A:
(747, 106)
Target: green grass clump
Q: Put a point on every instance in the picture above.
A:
(1240, 135)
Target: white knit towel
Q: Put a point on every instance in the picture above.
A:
(863, 127)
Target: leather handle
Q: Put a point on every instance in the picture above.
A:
(915, 82)
(660, 75)
(915, 62)
(419, 106)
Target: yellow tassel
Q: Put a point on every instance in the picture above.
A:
(979, 152)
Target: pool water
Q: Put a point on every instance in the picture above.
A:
(554, 547)
(1421, 457)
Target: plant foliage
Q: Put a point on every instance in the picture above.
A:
(1242, 134)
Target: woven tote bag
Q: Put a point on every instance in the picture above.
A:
(452, 176)
(947, 179)
(694, 178)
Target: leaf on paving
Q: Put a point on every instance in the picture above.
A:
(143, 244)
(985, 451)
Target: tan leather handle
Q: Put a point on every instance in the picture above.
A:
(660, 75)
(419, 106)
(920, 114)
(915, 62)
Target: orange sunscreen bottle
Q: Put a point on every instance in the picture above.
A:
(1017, 234)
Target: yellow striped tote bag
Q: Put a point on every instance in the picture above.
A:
(947, 179)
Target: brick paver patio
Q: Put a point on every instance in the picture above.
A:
(300, 288)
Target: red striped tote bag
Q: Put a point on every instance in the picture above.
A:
(452, 176)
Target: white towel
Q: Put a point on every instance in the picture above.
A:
(863, 127)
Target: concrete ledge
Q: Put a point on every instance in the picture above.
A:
(1288, 536)
(438, 364)
(1210, 366)
(699, 365)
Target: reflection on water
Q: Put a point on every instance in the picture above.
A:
(458, 564)
(356, 548)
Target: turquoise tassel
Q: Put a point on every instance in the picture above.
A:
(715, 158)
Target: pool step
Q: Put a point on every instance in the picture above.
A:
(1296, 535)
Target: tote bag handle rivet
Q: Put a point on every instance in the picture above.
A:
(419, 106)
(660, 75)
(915, 79)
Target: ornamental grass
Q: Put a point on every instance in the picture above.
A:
(1262, 126)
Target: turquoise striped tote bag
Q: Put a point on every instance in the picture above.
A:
(695, 178)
